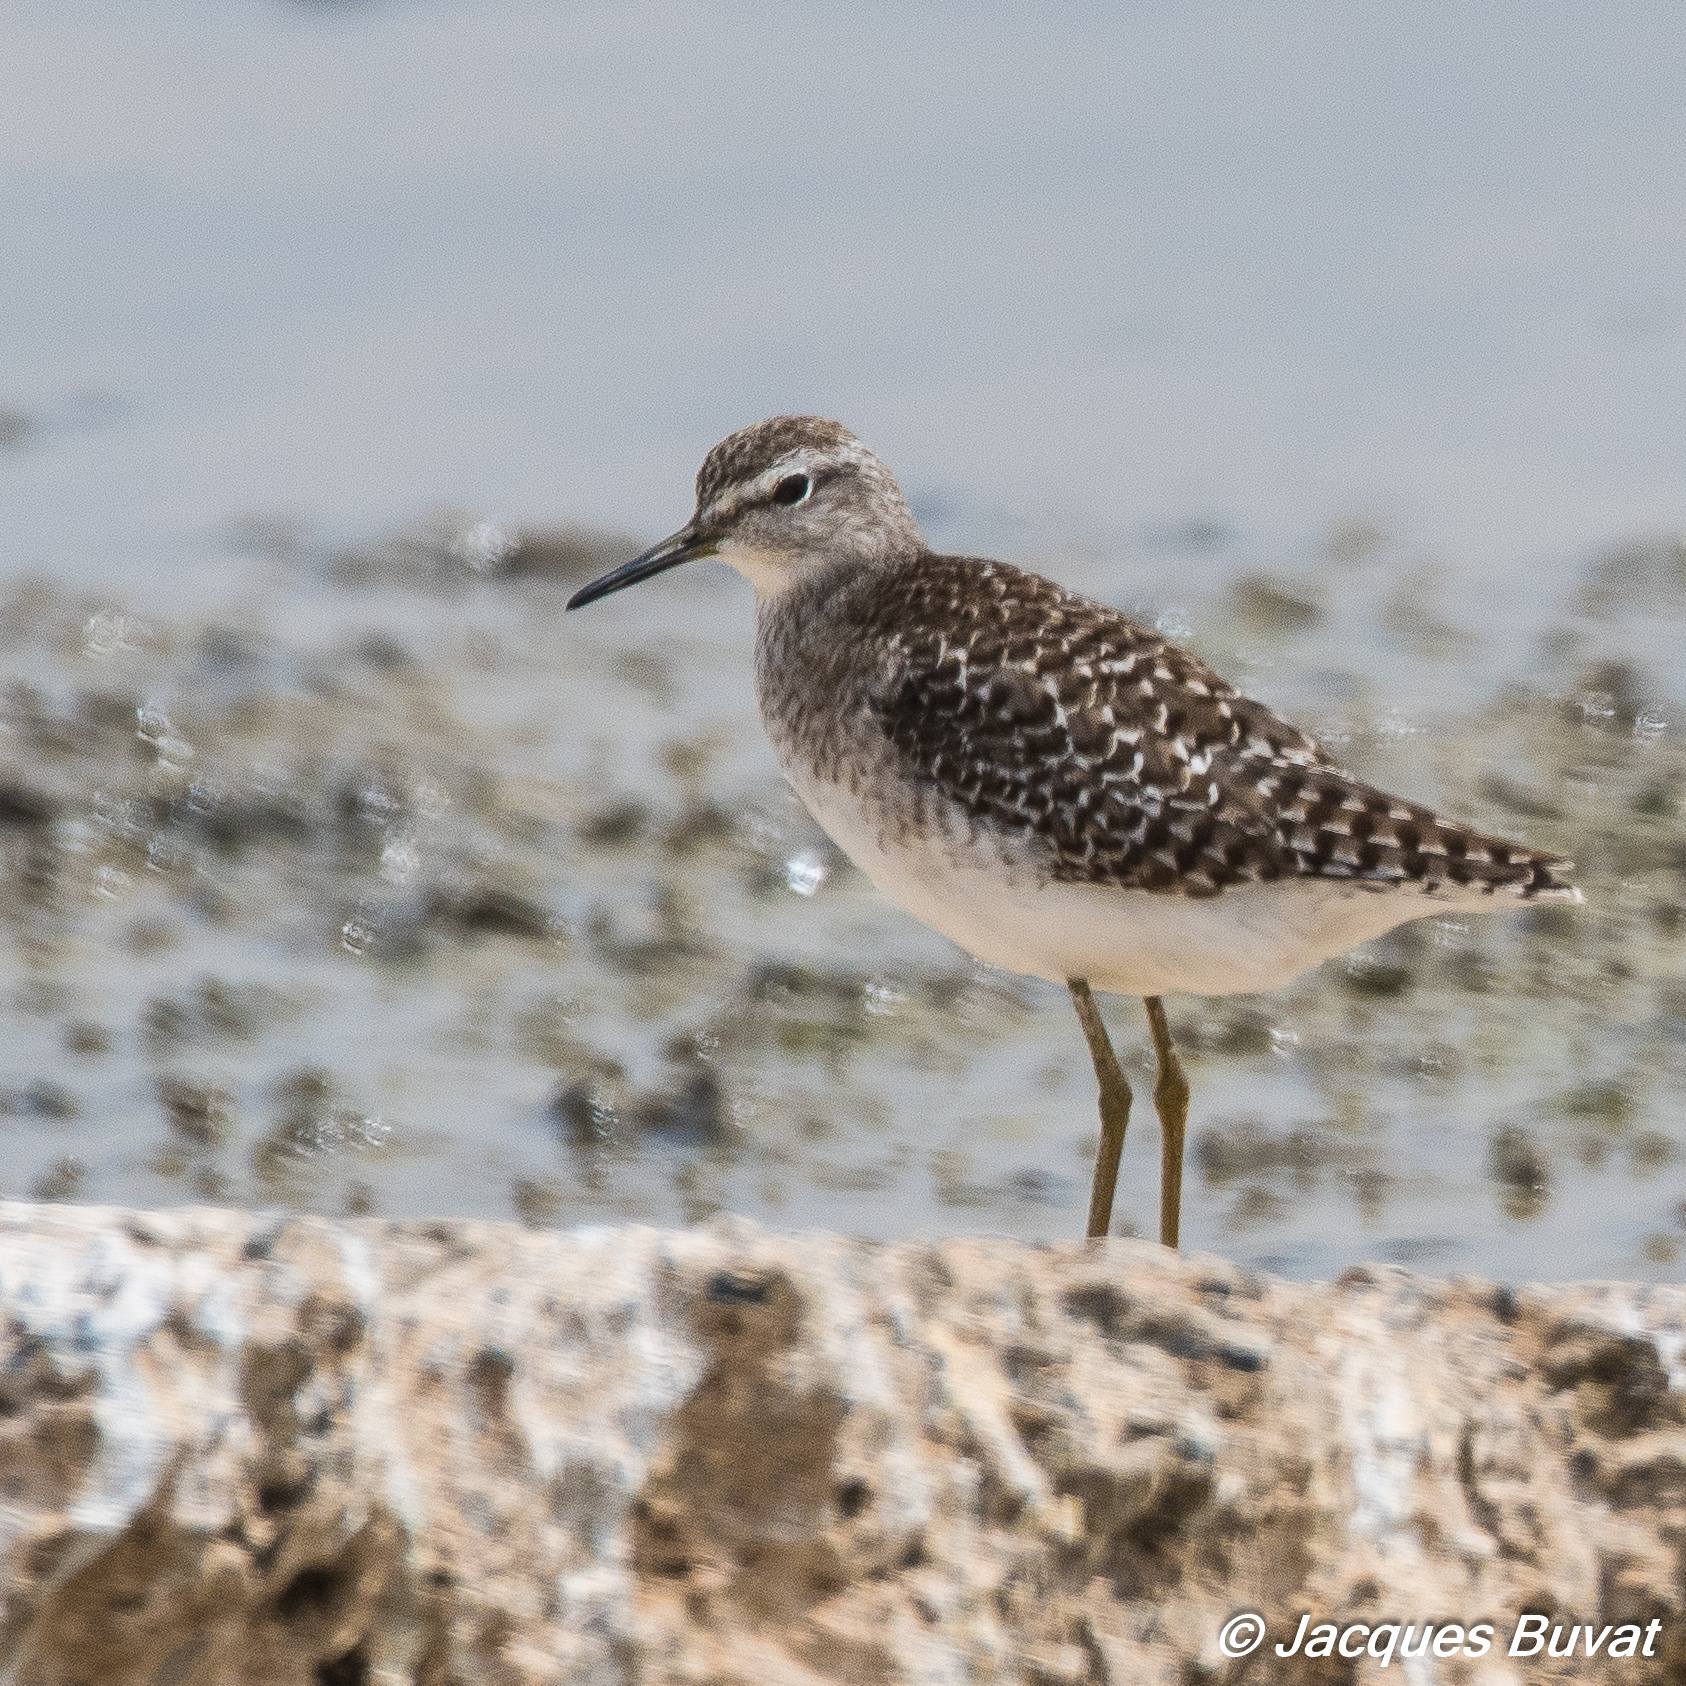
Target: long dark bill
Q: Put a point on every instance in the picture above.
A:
(687, 545)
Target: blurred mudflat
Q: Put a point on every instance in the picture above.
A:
(341, 873)
(369, 883)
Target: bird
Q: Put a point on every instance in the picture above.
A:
(1060, 790)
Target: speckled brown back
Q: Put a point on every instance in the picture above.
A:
(1121, 759)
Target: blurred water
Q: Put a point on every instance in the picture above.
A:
(1347, 343)
(1120, 264)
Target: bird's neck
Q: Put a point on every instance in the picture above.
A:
(815, 594)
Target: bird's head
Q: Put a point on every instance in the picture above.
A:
(777, 500)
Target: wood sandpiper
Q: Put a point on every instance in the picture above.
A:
(1054, 787)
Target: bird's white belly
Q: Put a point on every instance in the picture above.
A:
(1131, 942)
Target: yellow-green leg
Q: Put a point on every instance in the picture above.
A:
(1170, 1101)
(1114, 1106)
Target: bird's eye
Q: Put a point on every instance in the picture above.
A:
(792, 489)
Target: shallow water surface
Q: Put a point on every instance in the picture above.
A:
(376, 884)
(343, 873)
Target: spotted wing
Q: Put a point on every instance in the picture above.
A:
(1124, 760)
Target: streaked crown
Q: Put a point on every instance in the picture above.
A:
(801, 486)
(788, 497)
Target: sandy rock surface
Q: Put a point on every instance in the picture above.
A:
(295, 1453)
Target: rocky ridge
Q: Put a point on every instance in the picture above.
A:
(241, 1449)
